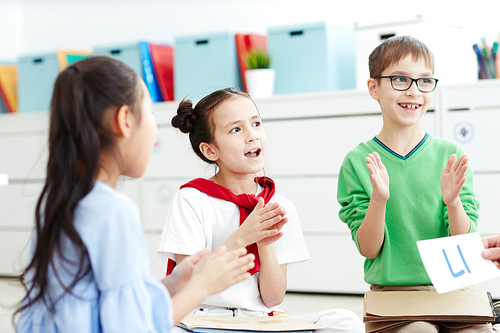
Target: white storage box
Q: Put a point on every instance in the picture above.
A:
(455, 61)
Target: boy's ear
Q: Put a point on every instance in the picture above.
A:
(208, 151)
(123, 121)
(373, 88)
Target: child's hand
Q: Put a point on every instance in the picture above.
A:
(492, 249)
(453, 178)
(263, 222)
(378, 177)
(270, 240)
(182, 272)
(221, 269)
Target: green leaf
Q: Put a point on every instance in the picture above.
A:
(257, 58)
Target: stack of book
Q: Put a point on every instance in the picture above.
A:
(390, 309)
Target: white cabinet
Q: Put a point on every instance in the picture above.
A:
(470, 116)
(17, 205)
(308, 136)
(23, 157)
(459, 40)
(335, 266)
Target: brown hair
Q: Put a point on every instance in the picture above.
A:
(84, 96)
(198, 121)
(394, 49)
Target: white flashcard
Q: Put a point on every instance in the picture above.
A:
(4, 179)
(455, 262)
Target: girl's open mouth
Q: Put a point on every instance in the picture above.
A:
(253, 153)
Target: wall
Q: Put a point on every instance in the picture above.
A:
(37, 26)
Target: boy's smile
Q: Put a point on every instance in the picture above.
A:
(410, 106)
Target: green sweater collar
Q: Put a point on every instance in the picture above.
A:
(404, 158)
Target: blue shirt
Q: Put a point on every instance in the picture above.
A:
(119, 295)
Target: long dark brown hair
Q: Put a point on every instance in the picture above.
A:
(85, 95)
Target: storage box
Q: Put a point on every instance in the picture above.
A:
(205, 63)
(455, 60)
(3, 107)
(37, 75)
(127, 53)
(312, 57)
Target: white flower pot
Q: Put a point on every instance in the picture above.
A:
(260, 82)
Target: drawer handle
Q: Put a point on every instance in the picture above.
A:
(115, 52)
(202, 42)
(386, 36)
(296, 33)
(38, 60)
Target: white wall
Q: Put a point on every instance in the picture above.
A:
(11, 29)
(39, 26)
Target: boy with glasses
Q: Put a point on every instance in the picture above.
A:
(412, 186)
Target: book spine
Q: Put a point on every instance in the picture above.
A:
(149, 74)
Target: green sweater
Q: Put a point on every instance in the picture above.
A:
(414, 211)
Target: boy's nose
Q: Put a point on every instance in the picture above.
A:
(413, 90)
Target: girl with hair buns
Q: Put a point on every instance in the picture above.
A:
(88, 267)
(235, 208)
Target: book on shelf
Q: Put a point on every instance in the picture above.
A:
(66, 58)
(8, 86)
(162, 57)
(149, 74)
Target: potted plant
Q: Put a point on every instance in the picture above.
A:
(259, 76)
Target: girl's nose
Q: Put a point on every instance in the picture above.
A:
(252, 136)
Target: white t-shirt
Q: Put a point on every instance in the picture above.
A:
(197, 220)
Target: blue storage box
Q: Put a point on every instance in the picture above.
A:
(312, 57)
(3, 107)
(37, 75)
(203, 64)
(127, 53)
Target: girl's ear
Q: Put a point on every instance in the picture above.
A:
(373, 88)
(209, 151)
(123, 121)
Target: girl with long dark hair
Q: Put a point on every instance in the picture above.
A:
(88, 267)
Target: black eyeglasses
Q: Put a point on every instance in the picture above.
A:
(402, 83)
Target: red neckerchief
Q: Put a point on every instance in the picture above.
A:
(246, 203)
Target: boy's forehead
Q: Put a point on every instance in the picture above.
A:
(410, 64)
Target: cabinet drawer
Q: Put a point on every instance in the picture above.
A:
(335, 267)
(488, 192)
(157, 263)
(318, 146)
(156, 198)
(173, 156)
(315, 199)
(14, 246)
(477, 132)
(24, 157)
(18, 203)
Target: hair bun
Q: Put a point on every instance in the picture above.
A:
(185, 118)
